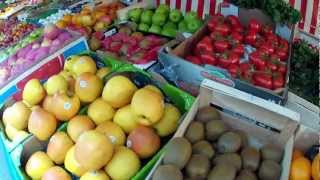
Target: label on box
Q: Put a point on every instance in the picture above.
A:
(229, 9)
(284, 31)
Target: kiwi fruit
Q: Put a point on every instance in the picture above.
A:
(269, 170)
(244, 138)
(232, 159)
(195, 132)
(214, 129)
(246, 174)
(203, 147)
(167, 172)
(207, 113)
(229, 142)
(222, 172)
(198, 166)
(250, 158)
(271, 152)
(178, 152)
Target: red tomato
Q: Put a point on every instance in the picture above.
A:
(260, 41)
(283, 44)
(209, 58)
(246, 70)
(239, 49)
(216, 19)
(205, 45)
(257, 59)
(251, 37)
(272, 65)
(234, 70)
(273, 39)
(216, 35)
(262, 79)
(278, 81)
(236, 37)
(224, 29)
(282, 54)
(238, 28)
(228, 58)
(282, 68)
(221, 45)
(233, 20)
(267, 48)
(267, 30)
(254, 25)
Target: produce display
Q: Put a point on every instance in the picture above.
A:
(165, 21)
(129, 45)
(305, 165)
(253, 53)
(34, 35)
(304, 79)
(53, 39)
(211, 150)
(12, 31)
(91, 20)
(97, 119)
(116, 110)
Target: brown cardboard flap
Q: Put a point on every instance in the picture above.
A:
(279, 122)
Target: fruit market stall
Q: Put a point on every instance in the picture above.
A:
(168, 90)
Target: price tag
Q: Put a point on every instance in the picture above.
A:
(110, 32)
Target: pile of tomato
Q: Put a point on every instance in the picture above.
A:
(253, 53)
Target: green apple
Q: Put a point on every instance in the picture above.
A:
(175, 15)
(143, 27)
(190, 16)
(155, 29)
(162, 8)
(169, 25)
(134, 14)
(183, 26)
(193, 25)
(146, 17)
(159, 19)
(169, 32)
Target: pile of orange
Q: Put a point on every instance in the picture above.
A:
(96, 19)
(303, 169)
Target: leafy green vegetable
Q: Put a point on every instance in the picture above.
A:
(279, 10)
(304, 73)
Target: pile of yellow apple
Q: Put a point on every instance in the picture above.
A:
(123, 123)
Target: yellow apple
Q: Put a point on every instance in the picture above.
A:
(17, 115)
(72, 165)
(33, 92)
(126, 119)
(124, 164)
(38, 164)
(95, 175)
(148, 106)
(84, 64)
(118, 91)
(113, 132)
(102, 72)
(100, 111)
(169, 121)
(56, 84)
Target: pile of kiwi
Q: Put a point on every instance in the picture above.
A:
(211, 150)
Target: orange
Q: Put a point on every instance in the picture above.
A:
(300, 169)
(67, 18)
(61, 24)
(296, 154)
(316, 167)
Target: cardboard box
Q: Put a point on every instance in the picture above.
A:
(146, 61)
(263, 122)
(43, 68)
(198, 73)
(183, 101)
